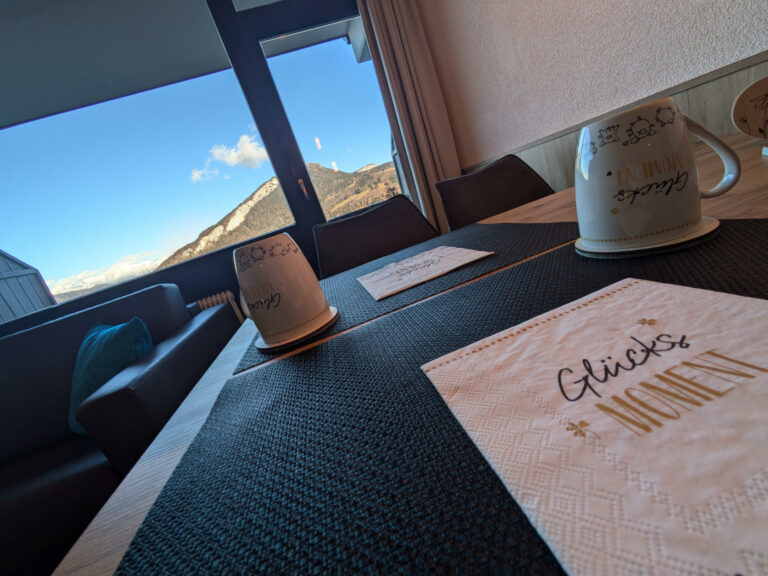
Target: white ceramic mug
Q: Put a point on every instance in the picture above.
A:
(636, 180)
(280, 292)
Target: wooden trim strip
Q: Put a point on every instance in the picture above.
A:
(672, 91)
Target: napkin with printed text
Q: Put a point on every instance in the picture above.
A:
(630, 425)
(399, 276)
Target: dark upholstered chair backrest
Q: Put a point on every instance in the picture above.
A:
(371, 233)
(498, 187)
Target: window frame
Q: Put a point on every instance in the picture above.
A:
(241, 34)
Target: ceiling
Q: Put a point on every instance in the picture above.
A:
(57, 55)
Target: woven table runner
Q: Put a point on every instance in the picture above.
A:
(345, 456)
(509, 242)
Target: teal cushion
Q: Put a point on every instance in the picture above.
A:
(105, 351)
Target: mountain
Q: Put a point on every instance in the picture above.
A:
(62, 297)
(266, 209)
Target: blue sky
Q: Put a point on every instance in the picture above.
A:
(113, 188)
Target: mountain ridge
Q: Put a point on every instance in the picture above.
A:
(266, 209)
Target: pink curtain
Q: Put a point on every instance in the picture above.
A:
(413, 99)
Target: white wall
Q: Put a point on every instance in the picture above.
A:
(515, 71)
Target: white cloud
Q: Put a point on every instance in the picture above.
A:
(248, 153)
(335, 168)
(124, 269)
(206, 173)
(317, 143)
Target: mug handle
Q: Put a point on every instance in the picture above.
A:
(727, 155)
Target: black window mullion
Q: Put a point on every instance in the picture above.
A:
(250, 67)
(242, 33)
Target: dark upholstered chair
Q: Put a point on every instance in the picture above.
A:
(498, 187)
(370, 233)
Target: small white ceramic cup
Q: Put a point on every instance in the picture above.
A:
(280, 292)
(636, 180)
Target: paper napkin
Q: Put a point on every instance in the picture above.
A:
(402, 275)
(630, 426)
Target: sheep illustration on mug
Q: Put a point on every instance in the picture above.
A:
(639, 129)
(665, 115)
(609, 134)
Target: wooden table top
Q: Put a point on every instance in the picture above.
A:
(101, 547)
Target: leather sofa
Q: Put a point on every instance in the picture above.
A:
(52, 481)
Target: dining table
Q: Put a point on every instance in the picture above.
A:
(340, 453)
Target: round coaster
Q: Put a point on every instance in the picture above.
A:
(663, 249)
(264, 347)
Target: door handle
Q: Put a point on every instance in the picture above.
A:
(303, 189)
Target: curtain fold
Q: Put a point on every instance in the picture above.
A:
(413, 100)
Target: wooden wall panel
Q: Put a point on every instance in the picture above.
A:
(554, 160)
(5, 310)
(42, 294)
(22, 289)
(9, 290)
(7, 264)
(708, 103)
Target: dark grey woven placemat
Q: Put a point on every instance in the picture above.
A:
(510, 243)
(345, 458)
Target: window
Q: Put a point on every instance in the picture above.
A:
(102, 194)
(319, 111)
(333, 103)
